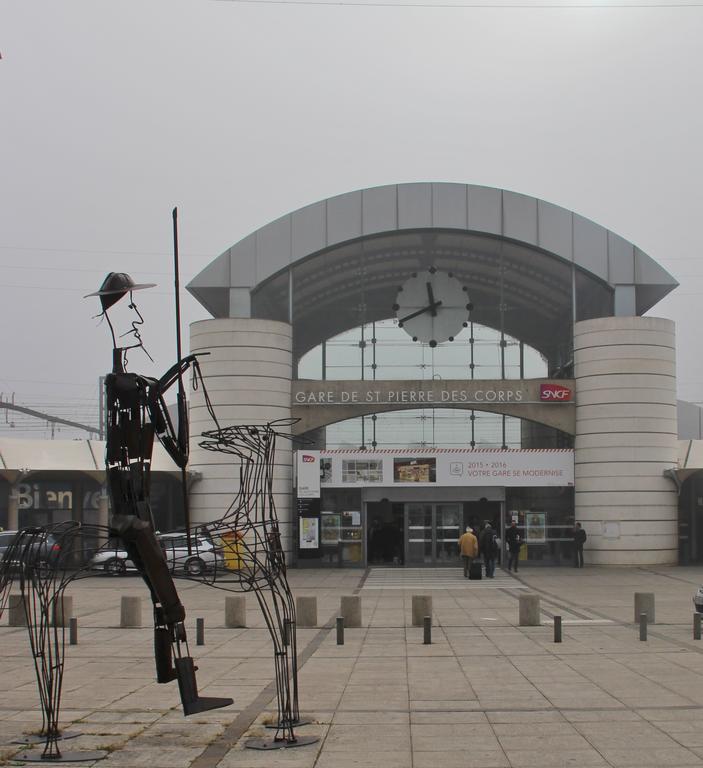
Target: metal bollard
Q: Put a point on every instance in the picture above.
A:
(557, 629)
(286, 631)
(697, 626)
(427, 627)
(643, 626)
(340, 630)
(73, 631)
(200, 631)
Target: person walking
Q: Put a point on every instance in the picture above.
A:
(580, 537)
(514, 541)
(468, 549)
(489, 549)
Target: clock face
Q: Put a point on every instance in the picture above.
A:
(432, 306)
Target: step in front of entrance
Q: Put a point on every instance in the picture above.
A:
(435, 578)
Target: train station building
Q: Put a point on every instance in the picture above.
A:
(439, 355)
(452, 354)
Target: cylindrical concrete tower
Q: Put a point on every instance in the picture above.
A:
(626, 436)
(247, 373)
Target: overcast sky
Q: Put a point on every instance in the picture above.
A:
(112, 113)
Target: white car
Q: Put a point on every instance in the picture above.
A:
(203, 556)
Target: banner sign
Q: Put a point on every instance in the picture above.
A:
(308, 474)
(407, 468)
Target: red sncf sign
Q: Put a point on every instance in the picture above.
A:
(307, 459)
(554, 393)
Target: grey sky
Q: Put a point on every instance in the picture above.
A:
(113, 112)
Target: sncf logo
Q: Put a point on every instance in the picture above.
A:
(554, 393)
(308, 459)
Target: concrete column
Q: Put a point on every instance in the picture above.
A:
(130, 611)
(63, 611)
(350, 610)
(306, 611)
(626, 436)
(235, 611)
(17, 611)
(644, 603)
(247, 372)
(421, 607)
(529, 610)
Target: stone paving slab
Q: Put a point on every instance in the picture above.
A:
(486, 694)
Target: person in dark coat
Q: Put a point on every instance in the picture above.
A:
(488, 549)
(514, 541)
(579, 539)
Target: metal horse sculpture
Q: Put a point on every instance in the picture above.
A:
(41, 561)
(255, 560)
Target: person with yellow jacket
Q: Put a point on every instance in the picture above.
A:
(468, 549)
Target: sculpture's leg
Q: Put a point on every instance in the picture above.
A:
(169, 614)
(274, 616)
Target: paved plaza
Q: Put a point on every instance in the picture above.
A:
(486, 693)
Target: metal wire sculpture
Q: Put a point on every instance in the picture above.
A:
(254, 559)
(136, 412)
(42, 561)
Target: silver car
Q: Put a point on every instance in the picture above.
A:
(204, 556)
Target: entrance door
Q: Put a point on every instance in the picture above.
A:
(432, 533)
(418, 534)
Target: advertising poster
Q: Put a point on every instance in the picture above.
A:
(415, 470)
(535, 532)
(309, 533)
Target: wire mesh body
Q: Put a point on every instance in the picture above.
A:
(251, 556)
(42, 562)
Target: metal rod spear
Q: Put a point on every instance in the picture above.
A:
(180, 397)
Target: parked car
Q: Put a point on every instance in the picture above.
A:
(40, 549)
(203, 556)
(698, 600)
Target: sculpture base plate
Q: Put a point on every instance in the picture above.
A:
(66, 757)
(38, 738)
(302, 720)
(300, 741)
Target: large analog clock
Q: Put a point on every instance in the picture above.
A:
(432, 306)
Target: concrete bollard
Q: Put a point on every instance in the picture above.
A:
(16, 614)
(340, 630)
(643, 626)
(422, 606)
(306, 611)
(350, 610)
(427, 631)
(130, 611)
(697, 626)
(529, 610)
(235, 611)
(644, 603)
(63, 611)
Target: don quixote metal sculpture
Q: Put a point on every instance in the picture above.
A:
(136, 414)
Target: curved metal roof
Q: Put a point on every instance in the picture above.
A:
(364, 243)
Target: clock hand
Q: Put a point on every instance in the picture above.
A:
(430, 296)
(432, 308)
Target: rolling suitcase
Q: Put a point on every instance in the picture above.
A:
(475, 570)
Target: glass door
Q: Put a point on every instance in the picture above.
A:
(447, 529)
(418, 534)
(431, 533)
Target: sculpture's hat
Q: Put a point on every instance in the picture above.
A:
(115, 286)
